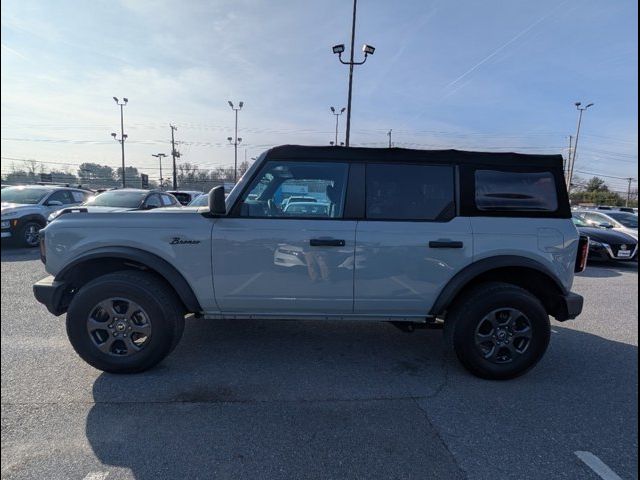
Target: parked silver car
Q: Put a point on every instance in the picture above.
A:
(25, 209)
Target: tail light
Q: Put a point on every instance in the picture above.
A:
(583, 254)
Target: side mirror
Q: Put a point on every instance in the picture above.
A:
(605, 225)
(54, 203)
(216, 201)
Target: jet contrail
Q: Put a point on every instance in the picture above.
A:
(502, 47)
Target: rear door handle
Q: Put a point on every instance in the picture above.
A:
(326, 242)
(445, 244)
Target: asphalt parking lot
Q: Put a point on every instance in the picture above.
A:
(283, 400)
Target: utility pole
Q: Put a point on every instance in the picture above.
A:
(575, 147)
(339, 50)
(123, 137)
(568, 160)
(174, 154)
(389, 135)
(236, 140)
(631, 179)
(159, 157)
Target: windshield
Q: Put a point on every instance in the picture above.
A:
(200, 201)
(24, 195)
(118, 198)
(629, 220)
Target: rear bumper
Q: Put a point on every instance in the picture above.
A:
(569, 306)
(51, 294)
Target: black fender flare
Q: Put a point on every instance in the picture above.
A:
(32, 217)
(145, 259)
(472, 271)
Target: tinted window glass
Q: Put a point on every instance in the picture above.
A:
(513, 191)
(62, 196)
(118, 198)
(23, 195)
(153, 201)
(167, 200)
(410, 192)
(322, 186)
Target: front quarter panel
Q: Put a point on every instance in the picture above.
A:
(183, 239)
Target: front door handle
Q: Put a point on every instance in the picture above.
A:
(326, 242)
(445, 244)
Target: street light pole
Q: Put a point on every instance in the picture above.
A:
(575, 146)
(236, 140)
(122, 134)
(159, 157)
(339, 50)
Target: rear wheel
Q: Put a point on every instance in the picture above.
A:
(125, 322)
(498, 331)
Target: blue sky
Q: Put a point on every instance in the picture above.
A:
(490, 75)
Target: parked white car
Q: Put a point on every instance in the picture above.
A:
(621, 221)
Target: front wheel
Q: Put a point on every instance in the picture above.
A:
(498, 331)
(28, 234)
(125, 322)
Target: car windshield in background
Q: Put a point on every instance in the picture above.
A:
(23, 195)
(118, 198)
(307, 208)
(629, 220)
(200, 201)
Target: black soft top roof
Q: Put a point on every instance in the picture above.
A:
(509, 159)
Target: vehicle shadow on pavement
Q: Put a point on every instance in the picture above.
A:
(10, 253)
(328, 400)
(608, 269)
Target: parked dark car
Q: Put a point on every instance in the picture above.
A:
(607, 244)
(120, 200)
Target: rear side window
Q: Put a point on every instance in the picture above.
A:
(515, 191)
(410, 192)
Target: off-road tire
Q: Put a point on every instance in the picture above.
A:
(466, 314)
(165, 314)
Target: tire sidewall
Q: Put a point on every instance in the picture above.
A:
(85, 301)
(23, 232)
(467, 322)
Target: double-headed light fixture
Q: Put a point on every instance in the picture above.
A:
(339, 50)
(123, 136)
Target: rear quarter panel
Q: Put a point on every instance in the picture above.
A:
(552, 242)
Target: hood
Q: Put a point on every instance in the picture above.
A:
(104, 209)
(16, 207)
(607, 236)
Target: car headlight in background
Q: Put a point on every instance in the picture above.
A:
(597, 245)
(5, 223)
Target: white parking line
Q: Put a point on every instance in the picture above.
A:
(96, 475)
(597, 465)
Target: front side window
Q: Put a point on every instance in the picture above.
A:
(167, 200)
(410, 192)
(318, 188)
(62, 196)
(515, 191)
(153, 201)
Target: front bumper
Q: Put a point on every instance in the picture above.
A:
(52, 294)
(569, 306)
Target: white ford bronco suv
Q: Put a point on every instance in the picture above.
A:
(481, 243)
